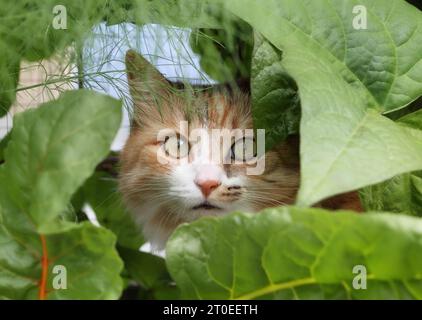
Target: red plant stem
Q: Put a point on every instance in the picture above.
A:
(42, 293)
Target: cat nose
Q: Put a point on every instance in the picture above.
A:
(207, 186)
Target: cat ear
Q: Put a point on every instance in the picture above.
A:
(147, 85)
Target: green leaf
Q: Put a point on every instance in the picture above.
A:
(52, 150)
(275, 101)
(410, 108)
(346, 79)
(85, 251)
(412, 120)
(297, 253)
(401, 194)
(100, 191)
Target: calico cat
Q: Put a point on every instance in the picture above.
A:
(162, 195)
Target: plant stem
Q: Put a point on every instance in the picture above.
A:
(42, 293)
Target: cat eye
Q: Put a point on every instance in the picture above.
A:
(243, 149)
(176, 147)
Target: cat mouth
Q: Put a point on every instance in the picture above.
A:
(205, 205)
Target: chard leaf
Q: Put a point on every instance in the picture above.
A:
(52, 150)
(298, 253)
(85, 252)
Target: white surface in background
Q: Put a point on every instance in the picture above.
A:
(90, 213)
(5, 125)
(146, 247)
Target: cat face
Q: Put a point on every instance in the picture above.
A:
(170, 173)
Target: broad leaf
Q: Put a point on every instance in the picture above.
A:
(84, 253)
(298, 253)
(346, 77)
(52, 150)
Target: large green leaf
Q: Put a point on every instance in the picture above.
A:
(297, 253)
(52, 150)
(86, 252)
(346, 77)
